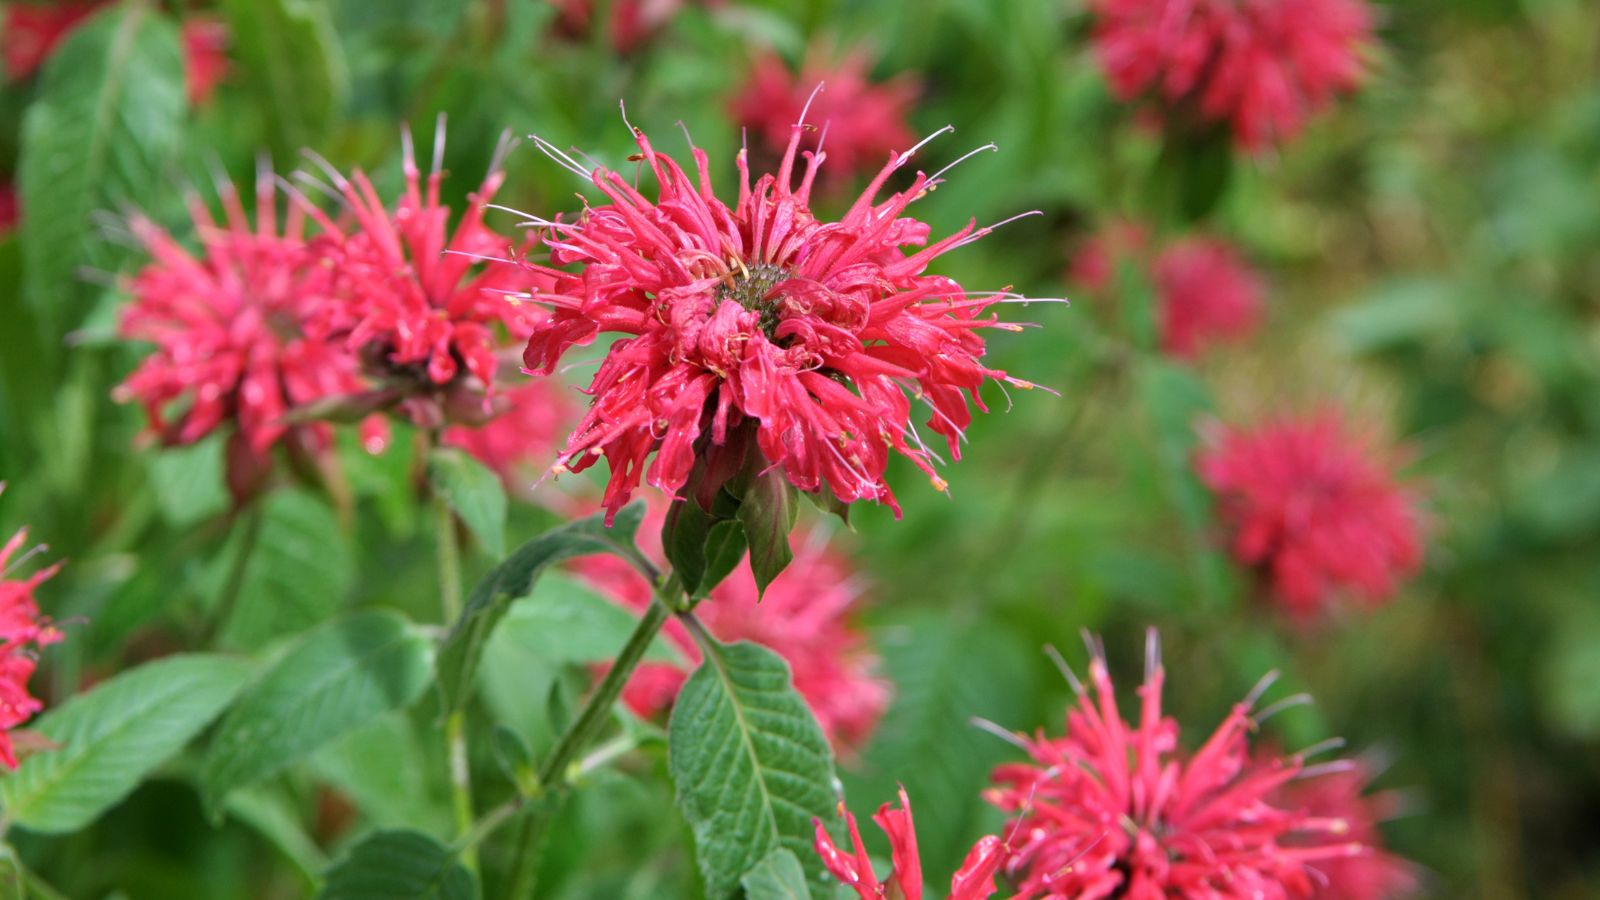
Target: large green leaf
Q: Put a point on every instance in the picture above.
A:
(336, 678)
(109, 114)
(475, 493)
(188, 482)
(463, 648)
(114, 735)
(751, 765)
(291, 61)
(297, 574)
(383, 768)
(399, 865)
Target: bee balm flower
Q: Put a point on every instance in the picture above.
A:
(420, 305)
(22, 632)
(973, 881)
(1314, 510)
(229, 336)
(1263, 67)
(1115, 809)
(759, 322)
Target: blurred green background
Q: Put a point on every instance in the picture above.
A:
(1431, 252)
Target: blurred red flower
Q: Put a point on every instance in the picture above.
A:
(418, 304)
(32, 31)
(761, 323)
(804, 617)
(1315, 509)
(973, 881)
(1207, 293)
(10, 213)
(1261, 66)
(1340, 797)
(1114, 809)
(22, 632)
(860, 122)
(228, 329)
(205, 57)
(630, 22)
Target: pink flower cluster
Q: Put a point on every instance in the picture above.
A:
(1311, 506)
(804, 616)
(1207, 294)
(22, 632)
(1115, 808)
(859, 122)
(1263, 67)
(761, 322)
(1341, 796)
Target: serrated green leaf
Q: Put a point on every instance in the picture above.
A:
(751, 765)
(109, 114)
(290, 60)
(331, 681)
(474, 492)
(297, 574)
(777, 877)
(768, 513)
(382, 767)
(114, 735)
(399, 865)
(463, 648)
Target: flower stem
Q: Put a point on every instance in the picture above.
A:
(455, 725)
(558, 769)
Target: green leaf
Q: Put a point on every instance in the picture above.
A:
(777, 877)
(725, 549)
(334, 679)
(109, 114)
(768, 513)
(683, 540)
(563, 622)
(274, 816)
(114, 735)
(188, 482)
(463, 648)
(382, 767)
(751, 765)
(399, 865)
(474, 492)
(297, 575)
(290, 60)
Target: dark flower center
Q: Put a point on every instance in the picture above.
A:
(750, 289)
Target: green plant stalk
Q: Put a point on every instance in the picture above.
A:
(455, 725)
(557, 770)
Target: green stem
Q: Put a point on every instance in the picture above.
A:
(455, 725)
(559, 768)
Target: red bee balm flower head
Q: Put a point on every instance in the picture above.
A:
(1261, 66)
(804, 616)
(205, 57)
(631, 22)
(761, 321)
(22, 632)
(860, 121)
(227, 329)
(404, 295)
(973, 881)
(1315, 510)
(1114, 809)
